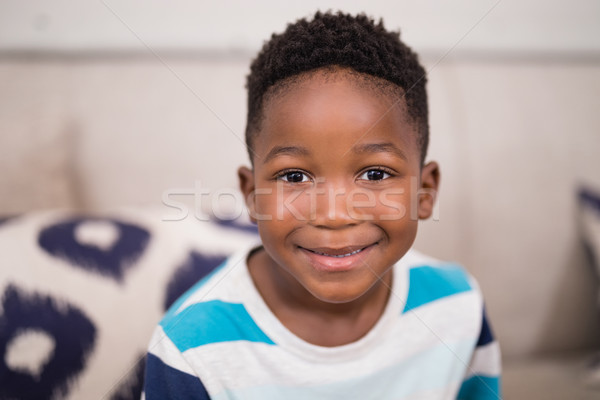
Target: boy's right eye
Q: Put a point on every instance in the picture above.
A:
(293, 177)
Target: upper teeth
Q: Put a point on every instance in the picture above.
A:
(337, 255)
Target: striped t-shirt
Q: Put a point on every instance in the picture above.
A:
(221, 341)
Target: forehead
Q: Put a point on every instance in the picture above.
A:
(335, 108)
(327, 78)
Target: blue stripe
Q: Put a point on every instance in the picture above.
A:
(486, 335)
(428, 284)
(480, 387)
(212, 322)
(165, 382)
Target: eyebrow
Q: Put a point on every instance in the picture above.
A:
(379, 148)
(297, 151)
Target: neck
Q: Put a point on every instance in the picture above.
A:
(306, 315)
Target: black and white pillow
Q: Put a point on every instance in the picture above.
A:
(81, 295)
(589, 221)
(589, 216)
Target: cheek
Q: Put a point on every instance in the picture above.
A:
(393, 206)
(399, 219)
(284, 205)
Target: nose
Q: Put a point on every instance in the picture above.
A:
(330, 206)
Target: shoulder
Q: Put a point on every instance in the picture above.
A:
(431, 280)
(213, 310)
(442, 301)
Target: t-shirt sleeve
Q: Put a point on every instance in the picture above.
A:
(168, 375)
(482, 380)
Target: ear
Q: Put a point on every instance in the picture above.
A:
(430, 181)
(247, 186)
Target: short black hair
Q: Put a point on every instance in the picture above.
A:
(338, 39)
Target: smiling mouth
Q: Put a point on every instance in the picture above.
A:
(338, 253)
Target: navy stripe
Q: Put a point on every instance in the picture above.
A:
(165, 382)
(486, 335)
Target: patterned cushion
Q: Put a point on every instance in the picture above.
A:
(589, 219)
(81, 295)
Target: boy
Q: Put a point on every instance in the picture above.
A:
(333, 304)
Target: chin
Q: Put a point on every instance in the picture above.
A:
(337, 296)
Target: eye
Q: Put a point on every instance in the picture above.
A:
(293, 176)
(374, 175)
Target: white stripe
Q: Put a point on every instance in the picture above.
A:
(433, 373)
(486, 361)
(450, 318)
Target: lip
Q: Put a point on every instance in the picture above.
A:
(340, 259)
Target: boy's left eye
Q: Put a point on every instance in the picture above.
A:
(374, 175)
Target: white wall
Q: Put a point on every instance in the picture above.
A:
(430, 26)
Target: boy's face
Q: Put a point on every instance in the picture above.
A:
(337, 185)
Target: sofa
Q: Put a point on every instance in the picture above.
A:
(106, 163)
